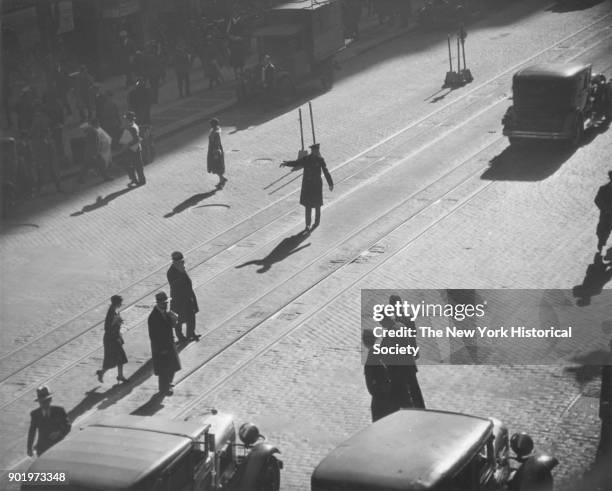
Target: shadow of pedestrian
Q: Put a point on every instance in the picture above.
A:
(152, 406)
(192, 201)
(287, 247)
(597, 275)
(100, 202)
(92, 397)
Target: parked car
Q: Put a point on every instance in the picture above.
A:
(302, 38)
(423, 450)
(557, 102)
(140, 453)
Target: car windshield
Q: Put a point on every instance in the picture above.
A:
(543, 93)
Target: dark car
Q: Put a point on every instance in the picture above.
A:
(140, 453)
(556, 102)
(422, 450)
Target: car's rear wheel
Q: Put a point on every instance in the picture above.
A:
(269, 479)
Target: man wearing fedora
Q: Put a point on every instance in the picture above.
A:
(131, 150)
(183, 300)
(165, 358)
(311, 195)
(51, 423)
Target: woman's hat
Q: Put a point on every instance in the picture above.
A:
(42, 394)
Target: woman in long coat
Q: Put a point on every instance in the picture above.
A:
(311, 195)
(215, 160)
(114, 355)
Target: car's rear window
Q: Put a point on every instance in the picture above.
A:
(544, 93)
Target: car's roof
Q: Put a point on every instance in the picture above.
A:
(407, 450)
(551, 70)
(119, 452)
(302, 5)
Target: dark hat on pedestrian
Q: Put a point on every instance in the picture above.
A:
(177, 256)
(130, 115)
(214, 122)
(43, 393)
(116, 299)
(161, 297)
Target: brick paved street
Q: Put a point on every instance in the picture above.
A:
(441, 204)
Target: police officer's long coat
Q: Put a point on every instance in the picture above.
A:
(311, 195)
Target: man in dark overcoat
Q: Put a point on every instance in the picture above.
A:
(51, 423)
(404, 375)
(184, 302)
(140, 101)
(165, 358)
(603, 200)
(311, 195)
(377, 380)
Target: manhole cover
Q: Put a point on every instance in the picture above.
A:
(18, 228)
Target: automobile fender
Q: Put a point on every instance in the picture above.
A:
(254, 463)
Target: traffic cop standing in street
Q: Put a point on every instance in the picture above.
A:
(311, 195)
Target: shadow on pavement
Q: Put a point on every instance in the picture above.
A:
(527, 162)
(192, 201)
(100, 202)
(151, 407)
(597, 275)
(287, 247)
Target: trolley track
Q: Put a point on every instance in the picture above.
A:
(99, 307)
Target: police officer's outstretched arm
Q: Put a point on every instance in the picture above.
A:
(327, 175)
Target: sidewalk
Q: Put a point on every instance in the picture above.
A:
(173, 114)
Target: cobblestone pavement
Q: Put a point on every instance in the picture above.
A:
(313, 376)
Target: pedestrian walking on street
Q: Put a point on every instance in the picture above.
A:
(127, 49)
(131, 150)
(50, 422)
(182, 65)
(84, 87)
(110, 117)
(311, 195)
(377, 380)
(25, 109)
(215, 160)
(183, 300)
(93, 159)
(114, 354)
(404, 376)
(165, 358)
(43, 152)
(268, 80)
(603, 200)
(140, 101)
(604, 450)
